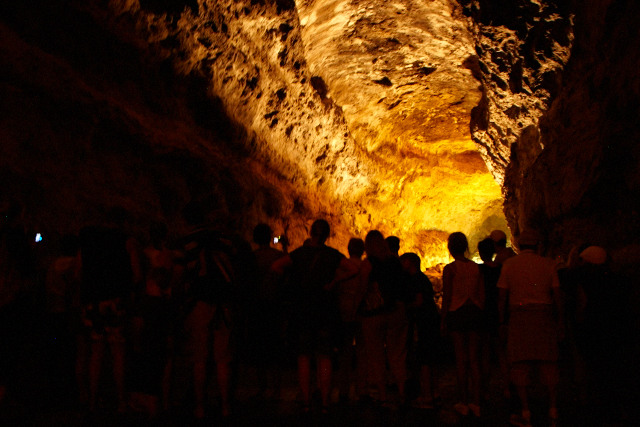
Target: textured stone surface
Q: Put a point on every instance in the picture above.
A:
(558, 124)
(355, 111)
(370, 113)
(365, 103)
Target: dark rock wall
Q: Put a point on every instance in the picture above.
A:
(567, 151)
(90, 120)
(94, 113)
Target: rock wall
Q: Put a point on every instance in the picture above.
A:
(558, 119)
(356, 110)
(90, 119)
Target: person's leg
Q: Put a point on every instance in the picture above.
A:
(95, 366)
(361, 362)
(474, 344)
(346, 357)
(117, 348)
(396, 337)
(223, 357)
(197, 326)
(427, 386)
(81, 368)
(474, 366)
(520, 378)
(324, 378)
(374, 349)
(459, 340)
(486, 348)
(304, 378)
(503, 363)
(549, 376)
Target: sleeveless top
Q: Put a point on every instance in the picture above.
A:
(467, 285)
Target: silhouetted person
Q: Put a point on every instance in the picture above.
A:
(153, 324)
(424, 321)
(394, 245)
(17, 265)
(265, 314)
(110, 267)
(605, 337)
(315, 316)
(463, 318)
(348, 286)
(531, 284)
(503, 252)
(384, 321)
(493, 343)
(209, 311)
(62, 288)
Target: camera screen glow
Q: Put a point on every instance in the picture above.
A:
(38, 237)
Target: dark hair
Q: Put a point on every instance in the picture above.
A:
(411, 257)
(355, 247)
(262, 234)
(457, 243)
(486, 248)
(394, 243)
(375, 245)
(320, 228)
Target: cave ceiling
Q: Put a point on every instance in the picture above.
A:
(415, 117)
(365, 103)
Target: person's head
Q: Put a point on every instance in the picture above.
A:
(355, 247)
(394, 244)
(486, 249)
(594, 255)
(262, 234)
(320, 231)
(499, 238)
(457, 244)
(375, 246)
(410, 262)
(528, 240)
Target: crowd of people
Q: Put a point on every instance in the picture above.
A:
(368, 323)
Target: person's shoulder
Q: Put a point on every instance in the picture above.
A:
(422, 278)
(268, 251)
(449, 268)
(300, 250)
(514, 259)
(333, 251)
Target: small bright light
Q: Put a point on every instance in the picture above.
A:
(38, 237)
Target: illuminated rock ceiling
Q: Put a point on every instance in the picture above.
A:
(365, 103)
(410, 116)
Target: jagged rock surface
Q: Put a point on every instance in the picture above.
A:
(558, 122)
(353, 110)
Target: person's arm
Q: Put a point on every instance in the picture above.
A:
(346, 270)
(365, 273)
(281, 264)
(503, 294)
(558, 300)
(447, 287)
